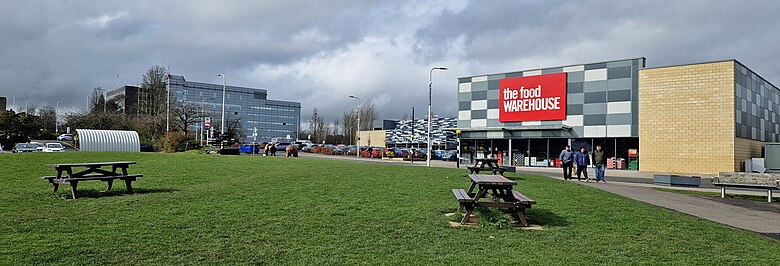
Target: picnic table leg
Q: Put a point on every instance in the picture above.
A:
(471, 188)
(129, 186)
(73, 185)
(467, 215)
(521, 216)
(110, 185)
(56, 187)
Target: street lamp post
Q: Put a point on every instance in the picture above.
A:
(167, 104)
(222, 124)
(358, 125)
(56, 114)
(430, 133)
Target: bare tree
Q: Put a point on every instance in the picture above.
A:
(153, 91)
(48, 117)
(368, 113)
(349, 125)
(318, 127)
(186, 114)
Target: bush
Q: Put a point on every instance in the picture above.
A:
(170, 141)
(188, 144)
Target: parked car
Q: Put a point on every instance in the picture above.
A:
(24, 147)
(65, 137)
(451, 155)
(53, 147)
(281, 146)
(249, 148)
(38, 146)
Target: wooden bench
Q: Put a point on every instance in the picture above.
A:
(769, 182)
(518, 205)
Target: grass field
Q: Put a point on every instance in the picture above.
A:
(198, 209)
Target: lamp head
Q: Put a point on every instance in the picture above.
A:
(440, 68)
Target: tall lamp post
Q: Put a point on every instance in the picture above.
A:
(430, 133)
(222, 124)
(167, 104)
(358, 124)
(56, 114)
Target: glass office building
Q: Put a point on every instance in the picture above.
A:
(275, 120)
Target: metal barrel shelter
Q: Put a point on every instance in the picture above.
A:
(107, 140)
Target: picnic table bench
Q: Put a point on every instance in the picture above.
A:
(747, 180)
(66, 176)
(499, 192)
(487, 164)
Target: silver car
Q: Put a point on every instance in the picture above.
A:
(24, 147)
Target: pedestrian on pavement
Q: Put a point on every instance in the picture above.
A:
(600, 161)
(273, 150)
(266, 149)
(582, 160)
(567, 162)
(370, 152)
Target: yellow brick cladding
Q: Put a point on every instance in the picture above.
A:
(686, 119)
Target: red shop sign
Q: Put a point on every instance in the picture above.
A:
(532, 98)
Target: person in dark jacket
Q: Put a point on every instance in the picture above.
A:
(567, 162)
(582, 160)
(599, 160)
(273, 150)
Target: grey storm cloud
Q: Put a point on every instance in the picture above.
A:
(319, 52)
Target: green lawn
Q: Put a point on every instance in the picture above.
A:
(199, 209)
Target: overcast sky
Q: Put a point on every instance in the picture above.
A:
(319, 52)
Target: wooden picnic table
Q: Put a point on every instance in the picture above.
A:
(67, 176)
(499, 192)
(487, 164)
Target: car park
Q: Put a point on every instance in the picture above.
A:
(53, 147)
(65, 137)
(24, 147)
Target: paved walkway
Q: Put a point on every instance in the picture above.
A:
(760, 217)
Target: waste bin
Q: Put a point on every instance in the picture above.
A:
(633, 165)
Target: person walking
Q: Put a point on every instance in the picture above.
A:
(600, 161)
(582, 160)
(567, 162)
(273, 150)
(370, 152)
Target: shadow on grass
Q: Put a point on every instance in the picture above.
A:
(94, 193)
(545, 217)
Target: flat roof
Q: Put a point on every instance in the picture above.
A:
(570, 65)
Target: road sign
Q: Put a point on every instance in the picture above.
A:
(207, 121)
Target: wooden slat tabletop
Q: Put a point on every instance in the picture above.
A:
(491, 180)
(91, 164)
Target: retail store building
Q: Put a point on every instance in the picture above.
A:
(699, 118)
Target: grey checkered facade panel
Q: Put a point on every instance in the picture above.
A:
(602, 101)
(757, 103)
(402, 134)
